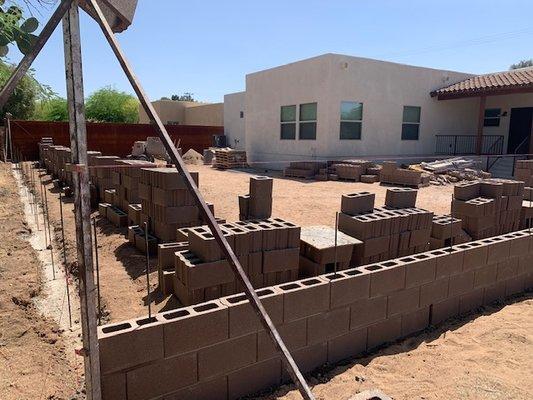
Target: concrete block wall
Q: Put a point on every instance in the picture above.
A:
(218, 349)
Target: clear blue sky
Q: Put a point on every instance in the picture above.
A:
(207, 47)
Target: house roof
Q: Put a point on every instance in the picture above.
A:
(513, 81)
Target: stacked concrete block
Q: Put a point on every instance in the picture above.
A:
(349, 172)
(258, 203)
(219, 349)
(401, 197)
(125, 178)
(322, 251)
(524, 172)
(488, 207)
(102, 177)
(391, 174)
(447, 231)
(304, 169)
(358, 203)
(268, 251)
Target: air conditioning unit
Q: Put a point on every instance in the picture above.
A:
(118, 13)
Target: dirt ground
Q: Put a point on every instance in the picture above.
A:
(483, 357)
(34, 363)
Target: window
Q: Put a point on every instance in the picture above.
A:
(351, 120)
(411, 122)
(492, 117)
(288, 123)
(241, 114)
(307, 121)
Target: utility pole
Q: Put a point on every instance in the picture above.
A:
(82, 206)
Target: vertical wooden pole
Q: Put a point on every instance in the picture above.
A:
(480, 123)
(82, 206)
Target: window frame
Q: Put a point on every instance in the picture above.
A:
(411, 123)
(490, 118)
(286, 123)
(351, 121)
(312, 122)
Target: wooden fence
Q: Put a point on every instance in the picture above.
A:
(109, 138)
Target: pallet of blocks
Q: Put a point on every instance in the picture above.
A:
(322, 251)
(230, 158)
(524, 172)
(488, 207)
(304, 169)
(385, 232)
(268, 251)
(391, 174)
(258, 203)
(447, 231)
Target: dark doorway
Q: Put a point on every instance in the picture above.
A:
(520, 130)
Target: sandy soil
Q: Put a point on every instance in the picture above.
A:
(481, 357)
(34, 359)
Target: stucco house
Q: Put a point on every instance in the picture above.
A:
(338, 106)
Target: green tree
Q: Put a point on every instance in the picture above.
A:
(184, 97)
(111, 105)
(15, 28)
(22, 103)
(522, 64)
(54, 109)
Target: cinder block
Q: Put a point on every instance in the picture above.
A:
(519, 244)
(448, 262)
(196, 274)
(404, 301)
(401, 197)
(254, 378)
(475, 255)
(102, 209)
(499, 248)
(485, 275)
(117, 341)
(467, 191)
(327, 325)
(366, 312)
(260, 204)
(461, 283)
(514, 285)
(347, 345)
(227, 356)
(357, 203)
(309, 359)
(507, 269)
(164, 376)
(304, 298)
(419, 269)
(204, 245)
(415, 321)
(280, 260)
(166, 252)
(494, 292)
(386, 277)
(214, 389)
(244, 207)
(443, 310)
(294, 335)
(349, 286)
(470, 301)
(114, 386)
(383, 332)
(191, 328)
(242, 317)
(433, 292)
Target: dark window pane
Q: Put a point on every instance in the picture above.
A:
(351, 111)
(308, 130)
(308, 112)
(411, 114)
(491, 122)
(409, 131)
(492, 113)
(288, 131)
(288, 113)
(350, 130)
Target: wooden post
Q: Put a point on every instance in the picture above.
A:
(480, 123)
(82, 206)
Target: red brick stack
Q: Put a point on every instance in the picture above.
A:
(386, 232)
(489, 207)
(268, 251)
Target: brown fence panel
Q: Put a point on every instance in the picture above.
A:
(109, 138)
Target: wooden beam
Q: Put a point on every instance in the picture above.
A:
(480, 124)
(82, 203)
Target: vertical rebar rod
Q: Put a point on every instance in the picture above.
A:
(42, 201)
(65, 265)
(336, 233)
(51, 245)
(97, 265)
(147, 270)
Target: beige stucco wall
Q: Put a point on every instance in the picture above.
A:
(234, 104)
(185, 113)
(205, 114)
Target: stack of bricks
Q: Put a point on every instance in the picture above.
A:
(219, 349)
(391, 174)
(398, 229)
(323, 250)
(258, 203)
(447, 231)
(526, 214)
(268, 251)
(101, 177)
(304, 169)
(488, 207)
(524, 172)
(356, 170)
(44, 144)
(350, 172)
(166, 205)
